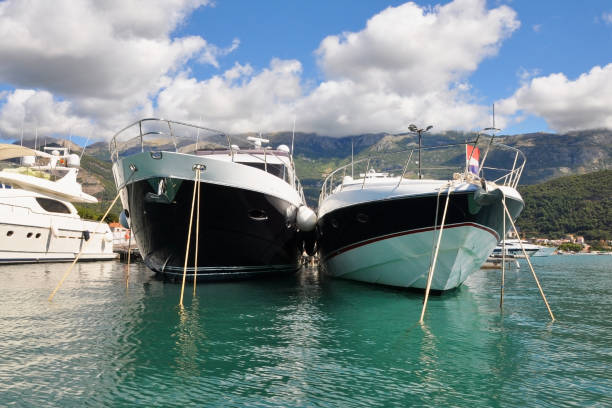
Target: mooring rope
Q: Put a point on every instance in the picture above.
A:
(134, 169)
(195, 187)
(433, 236)
(129, 251)
(503, 274)
(127, 276)
(195, 268)
(433, 266)
(528, 261)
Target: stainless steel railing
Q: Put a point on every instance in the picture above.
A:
(444, 162)
(157, 134)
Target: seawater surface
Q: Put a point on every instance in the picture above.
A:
(305, 340)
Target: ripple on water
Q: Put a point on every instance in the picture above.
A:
(304, 340)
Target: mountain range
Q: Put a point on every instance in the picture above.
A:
(548, 155)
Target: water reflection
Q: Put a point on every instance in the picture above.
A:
(303, 340)
(189, 334)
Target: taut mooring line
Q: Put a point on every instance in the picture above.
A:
(529, 262)
(433, 264)
(195, 267)
(503, 275)
(76, 258)
(129, 248)
(195, 187)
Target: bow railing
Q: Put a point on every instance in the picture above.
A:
(442, 162)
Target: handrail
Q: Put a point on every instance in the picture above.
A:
(511, 178)
(114, 146)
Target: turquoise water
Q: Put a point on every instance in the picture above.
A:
(305, 340)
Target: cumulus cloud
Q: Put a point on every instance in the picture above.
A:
(607, 17)
(109, 63)
(212, 53)
(412, 51)
(408, 64)
(107, 58)
(524, 75)
(52, 116)
(239, 100)
(565, 104)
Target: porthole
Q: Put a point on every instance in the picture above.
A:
(29, 235)
(258, 215)
(9, 233)
(38, 235)
(362, 218)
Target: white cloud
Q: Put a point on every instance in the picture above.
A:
(525, 75)
(238, 100)
(537, 27)
(410, 50)
(107, 58)
(607, 17)
(212, 52)
(408, 64)
(113, 62)
(565, 104)
(51, 116)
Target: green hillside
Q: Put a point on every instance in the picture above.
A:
(580, 204)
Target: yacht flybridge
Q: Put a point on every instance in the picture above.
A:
(38, 222)
(396, 220)
(248, 218)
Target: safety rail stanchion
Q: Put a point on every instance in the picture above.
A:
(365, 174)
(404, 169)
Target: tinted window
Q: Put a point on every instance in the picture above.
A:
(277, 169)
(52, 205)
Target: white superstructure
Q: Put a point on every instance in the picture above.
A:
(38, 223)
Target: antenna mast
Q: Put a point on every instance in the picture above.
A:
(293, 136)
(352, 159)
(493, 130)
(85, 145)
(292, 161)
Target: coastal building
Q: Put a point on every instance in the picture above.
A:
(121, 235)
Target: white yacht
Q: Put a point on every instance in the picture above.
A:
(546, 250)
(514, 247)
(253, 218)
(38, 222)
(382, 226)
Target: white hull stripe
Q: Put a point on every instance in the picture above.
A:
(401, 233)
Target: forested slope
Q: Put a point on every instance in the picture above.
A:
(580, 204)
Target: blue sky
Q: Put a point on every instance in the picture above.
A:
(340, 67)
